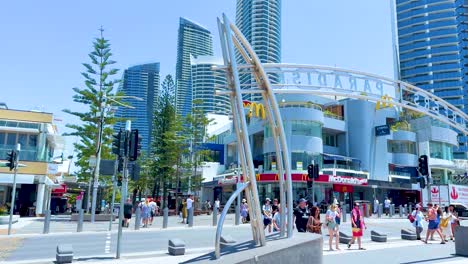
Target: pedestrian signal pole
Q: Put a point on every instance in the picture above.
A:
(128, 126)
(13, 159)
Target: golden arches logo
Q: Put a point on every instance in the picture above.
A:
(257, 177)
(384, 103)
(304, 177)
(256, 108)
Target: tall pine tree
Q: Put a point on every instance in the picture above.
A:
(98, 85)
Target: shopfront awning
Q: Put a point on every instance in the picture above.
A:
(20, 178)
(339, 157)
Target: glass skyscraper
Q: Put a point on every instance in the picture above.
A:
(260, 22)
(432, 50)
(193, 40)
(141, 81)
(204, 83)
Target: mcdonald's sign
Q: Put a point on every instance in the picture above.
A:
(256, 108)
(384, 103)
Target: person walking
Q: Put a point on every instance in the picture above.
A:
(445, 224)
(152, 205)
(418, 217)
(433, 225)
(338, 222)
(314, 225)
(330, 220)
(267, 214)
(277, 219)
(128, 208)
(357, 222)
(301, 216)
(454, 221)
(189, 205)
(376, 206)
(387, 206)
(145, 212)
(244, 209)
(184, 210)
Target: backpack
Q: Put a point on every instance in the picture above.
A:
(411, 218)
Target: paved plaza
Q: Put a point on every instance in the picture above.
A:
(146, 245)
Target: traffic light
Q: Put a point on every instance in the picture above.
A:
(423, 166)
(11, 159)
(135, 145)
(120, 165)
(118, 144)
(316, 171)
(422, 182)
(310, 171)
(119, 181)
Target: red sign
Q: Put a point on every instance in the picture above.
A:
(298, 177)
(343, 188)
(61, 190)
(458, 194)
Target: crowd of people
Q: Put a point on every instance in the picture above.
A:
(439, 221)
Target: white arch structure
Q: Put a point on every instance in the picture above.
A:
(303, 79)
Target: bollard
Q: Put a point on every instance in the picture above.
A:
(64, 254)
(343, 214)
(237, 219)
(380, 210)
(190, 217)
(79, 227)
(360, 210)
(366, 211)
(165, 217)
(410, 209)
(137, 218)
(215, 215)
(405, 210)
(392, 210)
(400, 209)
(46, 222)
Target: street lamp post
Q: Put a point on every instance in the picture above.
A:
(99, 144)
(13, 193)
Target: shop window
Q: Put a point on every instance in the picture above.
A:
(440, 150)
(306, 128)
(408, 147)
(330, 140)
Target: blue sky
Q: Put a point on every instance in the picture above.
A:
(43, 43)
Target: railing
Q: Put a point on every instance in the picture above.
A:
(299, 105)
(341, 166)
(219, 228)
(400, 173)
(334, 116)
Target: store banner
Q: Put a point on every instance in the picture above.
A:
(458, 194)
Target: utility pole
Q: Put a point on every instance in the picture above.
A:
(128, 126)
(98, 159)
(13, 159)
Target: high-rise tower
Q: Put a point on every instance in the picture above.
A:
(433, 50)
(193, 40)
(204, 83)
(260, 22)
(141, 81)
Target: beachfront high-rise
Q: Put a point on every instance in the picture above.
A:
(141, 81)
(193, 40)
(432, 50)
(204, 83)
(260, 22)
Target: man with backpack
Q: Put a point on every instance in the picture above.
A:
(416, 218)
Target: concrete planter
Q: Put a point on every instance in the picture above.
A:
(461, 240)
(87, 217)
(5, 218)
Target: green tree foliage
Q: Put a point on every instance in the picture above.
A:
(98, 85)
(167, 141)
(196, 126)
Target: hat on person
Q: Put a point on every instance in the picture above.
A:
(244, 200)
(302, 200)
(268, 199)
(418, 206)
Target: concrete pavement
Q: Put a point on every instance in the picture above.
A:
(152, 242)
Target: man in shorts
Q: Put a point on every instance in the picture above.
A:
(128, 208)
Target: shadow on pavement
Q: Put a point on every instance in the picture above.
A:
(232, 249)
(431, 260)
